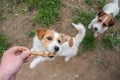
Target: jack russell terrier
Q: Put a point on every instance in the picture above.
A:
(63, 45)
(104, 19)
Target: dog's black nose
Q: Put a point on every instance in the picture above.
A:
(56, 48)
(96, 28)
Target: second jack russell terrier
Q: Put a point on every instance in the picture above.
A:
(104, 19)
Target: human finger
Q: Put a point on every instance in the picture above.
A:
(25, 54)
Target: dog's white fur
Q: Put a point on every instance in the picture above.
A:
(66, 50)
(37, 46)
(108, 8)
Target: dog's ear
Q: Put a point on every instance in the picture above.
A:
(111, 23)
(71, 42)
(101, 13)
(40, 33)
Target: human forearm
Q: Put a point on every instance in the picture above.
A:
(3, 74)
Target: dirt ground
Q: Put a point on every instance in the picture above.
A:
(85, 67)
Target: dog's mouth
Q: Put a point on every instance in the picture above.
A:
(99, 35)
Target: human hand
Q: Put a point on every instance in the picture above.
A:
(12, 61)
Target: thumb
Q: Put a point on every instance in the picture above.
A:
(25, 54)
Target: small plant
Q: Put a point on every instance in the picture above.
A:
(3, 44)
(89, 42)
(48, 11)
(33, 3)
(110, 41)
(101, 61)
(2, 17)
(100, 3)
(118, 17)
(22, 8)
(83, 16)
(9, 7)
(89, 2)
(31, 33)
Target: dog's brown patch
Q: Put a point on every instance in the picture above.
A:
(109, 22)
(71, 42)
(66, 38)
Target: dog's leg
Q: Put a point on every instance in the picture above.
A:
(95, 34)
(67, 58)
(38, 60)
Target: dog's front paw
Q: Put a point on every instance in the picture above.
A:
(95, 34)
(89, 27)
(32, 65)
(67, 59)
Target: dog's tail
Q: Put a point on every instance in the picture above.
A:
(115, 1)
(81, 32)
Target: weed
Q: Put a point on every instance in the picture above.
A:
(2, 17)
(89, 42)
(101, 61)
(9, 7)
(48, 11)
(31, 33)
(33, 3)
(22, 8)
(83, 16)
(89, 2)
(110, 41)
(118, 17)
(100, 3)
(3, 44)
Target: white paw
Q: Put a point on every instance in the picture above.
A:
(95, 34)
(89, 27)
(32, 65)
(67, 59)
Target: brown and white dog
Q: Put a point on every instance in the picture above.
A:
(104, 19)
(63, 45)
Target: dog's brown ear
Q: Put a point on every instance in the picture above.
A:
(40, 33)
(111, 23)
(101, 13)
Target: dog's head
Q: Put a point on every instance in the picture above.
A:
(50, 40)
(103, 20)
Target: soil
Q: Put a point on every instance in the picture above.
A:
(93, 65)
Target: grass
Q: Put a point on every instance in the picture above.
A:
(84, 17)
(3, 44)
(48, 12)
(9, 7)
(99, 3)
(118, 17)
(2, 17)
(111, 40)
(89, 42)
(31, 33)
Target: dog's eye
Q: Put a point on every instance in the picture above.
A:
(99, 20)
(59, 41)
(49, 38)
(104, 24)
